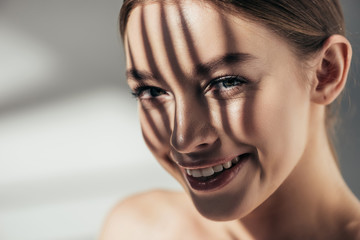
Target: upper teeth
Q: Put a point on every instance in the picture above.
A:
(207, 172)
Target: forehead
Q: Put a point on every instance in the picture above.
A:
(182, 34)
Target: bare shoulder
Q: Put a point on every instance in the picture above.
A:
(150, 215)
(353, 226)
(353, 230)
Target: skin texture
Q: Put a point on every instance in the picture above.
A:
(272, 107)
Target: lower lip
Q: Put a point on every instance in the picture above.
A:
(218, 181)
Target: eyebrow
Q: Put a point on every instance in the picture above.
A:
(138, 75)
(227, 59)
(201, 69)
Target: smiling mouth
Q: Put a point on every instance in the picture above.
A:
(210, 171)
(212, 178)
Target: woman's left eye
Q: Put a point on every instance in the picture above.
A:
(226, 83)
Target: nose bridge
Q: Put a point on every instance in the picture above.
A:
(192, 129)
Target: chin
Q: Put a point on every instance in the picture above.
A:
(221, 207)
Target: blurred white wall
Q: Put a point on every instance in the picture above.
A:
(70, 144)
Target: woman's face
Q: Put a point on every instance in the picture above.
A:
(223, 103)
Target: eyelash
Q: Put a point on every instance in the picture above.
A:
(223, 79)
(141, 88)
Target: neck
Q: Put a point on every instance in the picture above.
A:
(313, 197)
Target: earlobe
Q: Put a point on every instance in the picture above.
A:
(332, 70)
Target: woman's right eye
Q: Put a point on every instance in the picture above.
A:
(148, 93)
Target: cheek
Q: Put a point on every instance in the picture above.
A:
(156, 130)
(155, 125)
(274, 120)
(279, 125)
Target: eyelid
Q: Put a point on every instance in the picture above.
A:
(219, 79)
(136, 92)
(141, 88)
(226, 77)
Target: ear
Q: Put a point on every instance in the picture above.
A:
(331, 70)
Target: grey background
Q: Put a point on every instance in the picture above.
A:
(70, 144)
(348, 143)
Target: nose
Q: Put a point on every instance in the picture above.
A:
(192, 130)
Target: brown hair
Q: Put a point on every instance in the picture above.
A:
(305, 24)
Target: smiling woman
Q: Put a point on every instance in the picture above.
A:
(234, 103)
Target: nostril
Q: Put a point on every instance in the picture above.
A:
(203, 145)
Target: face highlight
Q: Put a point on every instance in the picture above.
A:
(222, 102)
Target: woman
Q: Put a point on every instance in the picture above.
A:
(235, 102)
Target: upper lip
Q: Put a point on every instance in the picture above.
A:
(201, 162)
